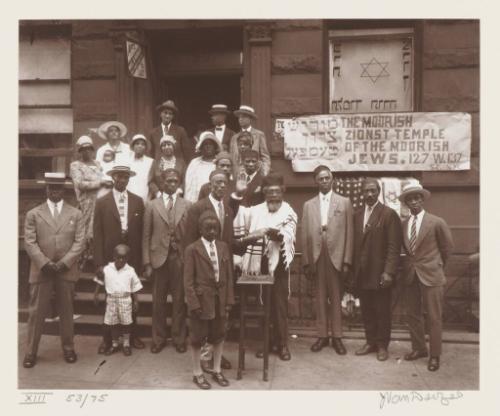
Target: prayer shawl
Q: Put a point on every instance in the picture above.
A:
(257, 217)
(197, 174)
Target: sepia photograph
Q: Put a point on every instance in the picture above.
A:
(249, 204)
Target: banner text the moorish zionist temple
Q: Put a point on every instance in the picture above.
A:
(378, 142)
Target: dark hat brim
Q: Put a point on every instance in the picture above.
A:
(164, 106)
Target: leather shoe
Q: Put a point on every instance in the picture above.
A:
(433, 364)
(366, 349)
(181, 348)
(338, 346)
(29, 361)
(127, 350)
(284, 354)
(319, 344)
(382, 354)
(201, 382)
(70, 356)
(220, 379)
(112, 350)
(102, 348)
(415, 355)
(137, 343)
(156, 348)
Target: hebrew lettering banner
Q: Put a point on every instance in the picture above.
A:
(378, 142)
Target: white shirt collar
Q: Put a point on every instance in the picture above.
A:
(166, 126)
(371, 208)
(165, 197)
(52, 204)
(419, 216)
(249, 129)
(117, 194)
(326, 196)
(251, 176)
(214, 201)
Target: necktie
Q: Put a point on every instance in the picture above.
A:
(218, 129)
(413, 234)
(121, 211)
(248, 178)
(56, 213)
(367, 216)
(221, 216)
(213, 258)
(170, 205)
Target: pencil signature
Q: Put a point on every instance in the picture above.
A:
(391, 398)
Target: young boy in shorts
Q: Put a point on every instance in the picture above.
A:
(208, 285)
(121, 284)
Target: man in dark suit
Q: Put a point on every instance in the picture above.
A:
(219, 113)
(164, 224)
(253, 178)
(377, 246)
(223, 162)
(327, 243)
(118, 219)
(216, 202)
(184, 148)
(428, 244)
(54, 237)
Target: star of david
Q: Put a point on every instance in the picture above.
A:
(374, 70)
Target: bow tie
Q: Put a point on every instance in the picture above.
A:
(218, 129)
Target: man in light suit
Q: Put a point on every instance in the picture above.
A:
(377, 246)
(428, 244)
(219, 113)
(118, 219)
(164, 225)
(184, 147)
(54, 237)
(246, 115)
(327, 244)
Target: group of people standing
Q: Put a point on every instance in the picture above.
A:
(192, 224)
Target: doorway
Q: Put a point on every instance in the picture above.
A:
(195, 94)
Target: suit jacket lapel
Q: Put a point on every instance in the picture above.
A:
(131, 208)
(47, 216)
(162, 210)
(200, 248)
(316, 217)
(333, 206)
(424, 229)
(63, 217)
(374, 217)
(406, 241)
(178, 210)
(112, 204)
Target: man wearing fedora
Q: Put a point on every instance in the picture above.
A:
(246, 116)
(54, 238)
(219, 113)
(377, 246)
(428, 244)
(118, 219)
(115, 150)
(184, 148)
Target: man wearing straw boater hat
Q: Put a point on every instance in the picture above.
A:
(118, 219)
(428, 244)
(219, 113)
(184, 148)
(246, 116)
(54, 237)
(115, 149)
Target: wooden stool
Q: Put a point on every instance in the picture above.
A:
(254, 312)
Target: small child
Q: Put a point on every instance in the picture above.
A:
(208, 284)
(121, 284)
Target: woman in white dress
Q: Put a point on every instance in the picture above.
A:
(199, 169)
(142, 165)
